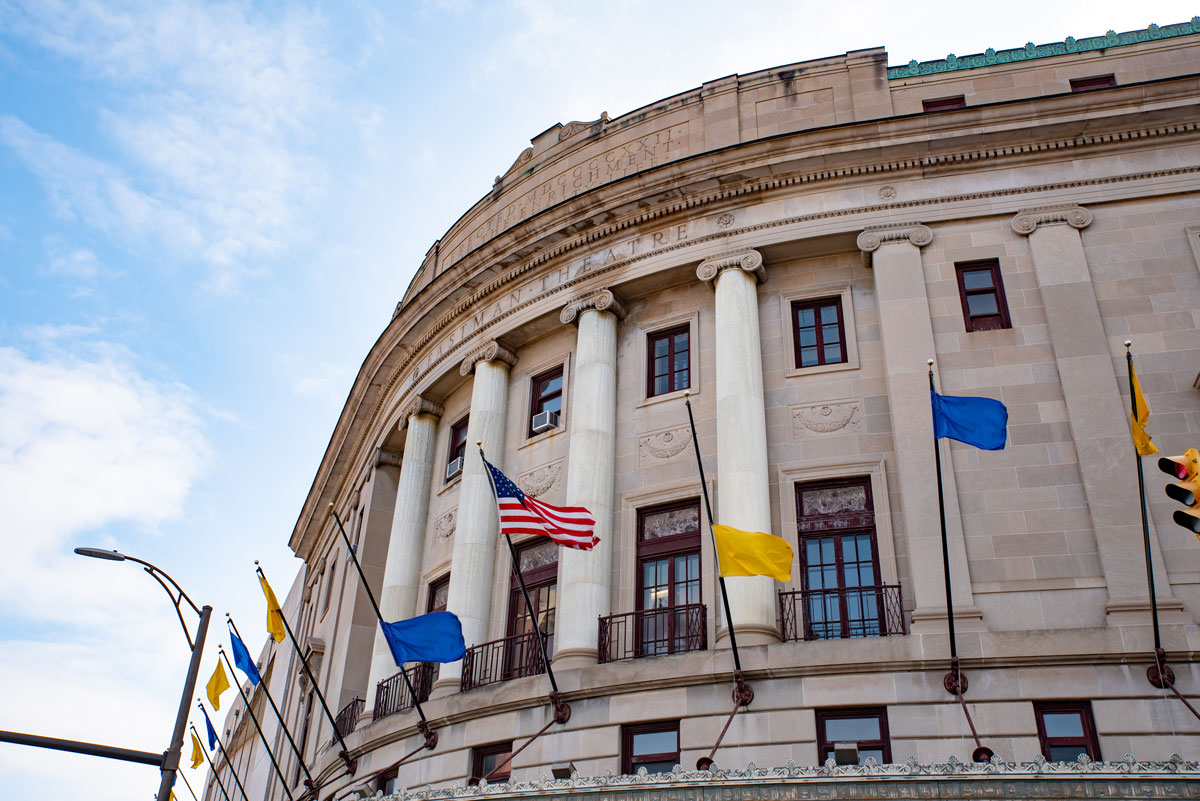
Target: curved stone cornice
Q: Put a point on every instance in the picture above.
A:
(489, 351)
(749, 260)
(602, 300)
(420, 405)
(1028, 220)
(874, 237)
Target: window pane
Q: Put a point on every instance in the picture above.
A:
(660, 384)
(808, 337)
(671, 522)
(552, 405)
(490, 762)
(829, 501)
(979, 305)
(655, 767)
(553, 385)
(977, 279)
(661, 346)
(1066, 753)
(833, 353)
(681, 360)
(662, 365)
(538, 556)
(440, 593)
(806, 318)
(829, 314)
(681, 379)
(851, 730)
(681, 342)
(1062, 724)
(830, 333)
(873, 753)
(655, 742)
(808, 357)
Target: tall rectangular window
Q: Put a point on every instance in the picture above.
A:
(944, 103)
(818, 332)
(545, 395)
(538, 561)
(439, 591)
(653, 746)
(1066, 730)
(458, 448)
(668, 550)
(668, 361)
(866, 727)
(981, 290)
(486, 759)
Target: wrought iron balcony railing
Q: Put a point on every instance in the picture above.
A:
(841, 613)
(500, 660)
(391, 694)
(653, 632)
(347, 719)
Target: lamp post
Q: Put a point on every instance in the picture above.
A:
(170, 760)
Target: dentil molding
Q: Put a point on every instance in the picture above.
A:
(1028, 220)
(489, 351)
(749, 260)
(601, 300)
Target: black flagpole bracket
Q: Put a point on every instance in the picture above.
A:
(955, 681)
(431, 736)
(1160, 674)
(743, 693)
(562, 710)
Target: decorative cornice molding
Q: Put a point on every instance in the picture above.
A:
(874, 237)
(601, 300)
(1028, 220)
(389, 458)
(490, 351)
(749, 260)
(420, 405)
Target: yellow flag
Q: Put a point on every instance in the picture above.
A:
(753, 553)
(217, 685)
(197, 752)
(1141, 439)
(274, 613)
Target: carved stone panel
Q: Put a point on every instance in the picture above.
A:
(663, 446)
(540, 480)
(826, 417)
(443, 527)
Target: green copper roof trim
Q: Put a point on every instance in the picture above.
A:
(1030, 51)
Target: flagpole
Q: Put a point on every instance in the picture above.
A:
(224, 753)
(217, 776)
(351, 764)
(309, 782)
(188, 785)
(254, 720)
(431, 738)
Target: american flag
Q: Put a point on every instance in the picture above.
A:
(569, 526)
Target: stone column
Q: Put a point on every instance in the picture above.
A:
(894, 254)
(470, 592)
(402, 573)
(1099, 417)
(743, 486)
(585, 577)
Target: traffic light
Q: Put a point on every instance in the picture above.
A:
(1186, 489)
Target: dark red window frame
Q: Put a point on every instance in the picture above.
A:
(480, 754)
(458, 440)
(674, 376)
(431, 604)
(883, 744)
(539, 397)
(630, 761)
(944, 103)
(817, 305)
(1089, 741)
(982, 322)
(1093, 82)
(668, 548)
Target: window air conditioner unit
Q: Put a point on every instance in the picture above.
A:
(545, 421)
(454, 468)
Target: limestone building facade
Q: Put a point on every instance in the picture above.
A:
(787, 248)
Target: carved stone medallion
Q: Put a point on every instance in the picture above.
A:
(662, 446)
(826, 417)
(443, 527)
(540, 480)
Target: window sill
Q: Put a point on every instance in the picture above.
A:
(450, 484)
(796, 372)
(545, 435)
(665, 397)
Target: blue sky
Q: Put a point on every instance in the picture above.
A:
(208, 212)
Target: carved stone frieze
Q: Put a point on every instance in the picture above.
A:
(540, 480)
(826, 417)
(1028, 220)
(492, 350)
(601, 300)
(420, 405)
(749, 260)
(662, 446)
(443, 527)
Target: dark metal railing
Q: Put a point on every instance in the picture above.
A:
(391, 694)
(347, 719)
(654, 632)
(841, 613)
(500, 660)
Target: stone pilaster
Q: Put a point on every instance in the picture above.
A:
(743, 484)
(474, 553)
(402, 572)
(585, 578)
(1099, 418)
(894, 254)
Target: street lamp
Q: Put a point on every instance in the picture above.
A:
(170, 760)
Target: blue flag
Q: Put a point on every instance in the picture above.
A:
(212, 734)
(981, 422)
(241, 658)
(436, 637)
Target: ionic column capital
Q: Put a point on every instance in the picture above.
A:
(600, 300)
(420, 405)
(492, 350)
(1028, 220)
(749, 260)
(874, 237)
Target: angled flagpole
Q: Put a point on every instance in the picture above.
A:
(188, 785)
(743, 694)
(431, 737)
(227, 762)
(217, 776)
(224, 753)
(258, 728)
(308, 779)
(351, 764)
